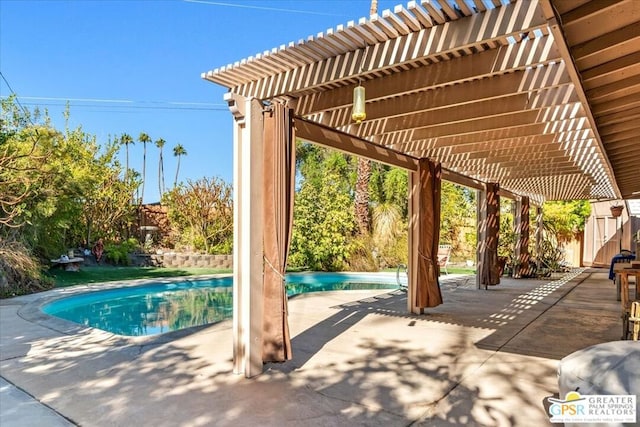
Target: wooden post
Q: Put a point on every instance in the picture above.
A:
(481, 234)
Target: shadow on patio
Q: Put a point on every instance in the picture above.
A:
(359, 359)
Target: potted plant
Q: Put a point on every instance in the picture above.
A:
(616, 210)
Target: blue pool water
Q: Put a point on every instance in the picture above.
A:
(162, 307)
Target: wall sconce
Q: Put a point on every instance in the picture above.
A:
(358, 113)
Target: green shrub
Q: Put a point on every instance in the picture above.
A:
(118, 253)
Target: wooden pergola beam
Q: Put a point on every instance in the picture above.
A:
(307, 130)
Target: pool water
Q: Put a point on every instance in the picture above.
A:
(162, 307)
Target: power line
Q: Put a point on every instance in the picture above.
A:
(121, 104)
(127, 107)
(121, 101)
(24, 110)
(26, 113)
(247, 6)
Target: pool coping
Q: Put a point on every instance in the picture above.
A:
(31, 309)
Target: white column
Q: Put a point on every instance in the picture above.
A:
(247, 235)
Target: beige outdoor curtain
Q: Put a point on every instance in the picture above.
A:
(490, 271)
(428, 216)
(278, 186)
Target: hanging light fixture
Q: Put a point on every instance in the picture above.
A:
(358, 113)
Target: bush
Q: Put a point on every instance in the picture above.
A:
(118, 253)
(361, 258)
(20, 273)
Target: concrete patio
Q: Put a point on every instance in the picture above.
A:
(485, 358)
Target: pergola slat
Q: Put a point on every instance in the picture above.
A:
(456, 83)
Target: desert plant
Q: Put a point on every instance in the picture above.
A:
(20, 273)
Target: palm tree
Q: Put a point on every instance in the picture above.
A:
(144, 138)
(160, 143)
(126, 140)
(364, 176)
(178, 151)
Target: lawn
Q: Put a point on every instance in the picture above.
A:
(96, 274)
(461, 270)
(451, 268)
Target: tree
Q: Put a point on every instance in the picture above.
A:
(66, 184)
(458, 219)
(389, 197)
(565, 219)
(202, 213)
(22, 164)
(362, 195)
(160, 144)
(106, 210)
(362, 213)
(126, 140)
(144, 138)
(178, 151)
(323, 224)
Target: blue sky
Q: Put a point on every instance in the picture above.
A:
(134, 66)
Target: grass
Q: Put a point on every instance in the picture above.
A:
(62, 278)
(461, 270)
(97, 274)
(452, 269)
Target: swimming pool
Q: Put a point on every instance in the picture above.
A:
(157, 308)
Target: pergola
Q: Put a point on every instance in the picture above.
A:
(534, 99)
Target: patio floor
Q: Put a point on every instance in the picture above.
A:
(482, 358)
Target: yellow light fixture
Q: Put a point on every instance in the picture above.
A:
(358, 113)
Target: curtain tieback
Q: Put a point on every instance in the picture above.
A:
(266, 260)
(425, 257)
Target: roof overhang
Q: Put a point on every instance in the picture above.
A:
(540, 96)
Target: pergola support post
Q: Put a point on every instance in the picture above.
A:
(522, 255)
(488, 269)
(539, 231)
(247, 236)
(412, 268)
(481, 221)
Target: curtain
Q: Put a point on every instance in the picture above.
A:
(522, 246)
(490, 270)
(428, 287)
(278, 186)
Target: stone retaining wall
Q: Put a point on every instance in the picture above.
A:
(178, 260)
